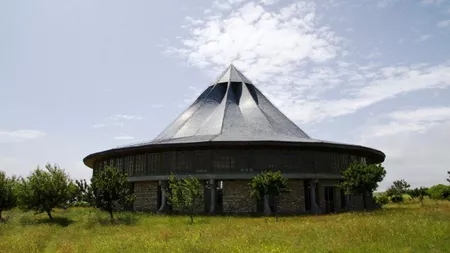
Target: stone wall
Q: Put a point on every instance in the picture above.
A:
(236, 197)
(146, 196)
(294, 200)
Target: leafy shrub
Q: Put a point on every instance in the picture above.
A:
(439, 192)
(397, 198)
(381, 199)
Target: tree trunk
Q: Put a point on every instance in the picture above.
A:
(111, 213)
(275, 208)
(110, 210)
(49, 213)
(192, 212)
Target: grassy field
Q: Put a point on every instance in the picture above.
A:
(396, 228)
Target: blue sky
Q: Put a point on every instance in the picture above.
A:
(78, 77)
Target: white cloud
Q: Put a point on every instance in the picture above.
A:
(419, 120)
(385, 3)
(424, 37)
(20, 135)
(432, 1)
(420, 158)
(371, 85)
(98, 126)
(157, 106)
(124, 137)
(262, 42)
(295, 61)
(119, 117)
(444, 23)
(373, 55)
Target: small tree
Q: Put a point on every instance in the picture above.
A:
(418, 193)
(448, 179)
(361, 178)
(8, 197)
(269, 184)
(184, 194)
(110, 189)
(439, 192)
(44, 190)
(381, 199)
(397, 189)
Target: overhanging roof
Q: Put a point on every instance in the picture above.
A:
(232, 110)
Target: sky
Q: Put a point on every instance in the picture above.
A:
(77, 77)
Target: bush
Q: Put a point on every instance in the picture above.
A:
(439, 192)
(397, 198)
(382, 199)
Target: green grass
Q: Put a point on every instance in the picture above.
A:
(397, 228)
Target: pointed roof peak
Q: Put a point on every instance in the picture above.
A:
(232, 74)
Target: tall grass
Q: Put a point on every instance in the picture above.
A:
(397, 228)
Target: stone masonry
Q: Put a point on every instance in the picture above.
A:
(236, 197)
(146, 196)
(294, 200)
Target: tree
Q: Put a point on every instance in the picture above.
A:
(110, 189)
(269, 185)
(83, 192)
(418, 193)
(46, 189)
(184, 194)
(361, 178)
(8, 197)
(397, 189)
(448, 179)
(439, 192)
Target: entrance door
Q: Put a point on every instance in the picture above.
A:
(329, 199)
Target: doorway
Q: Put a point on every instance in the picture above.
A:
(329, 199)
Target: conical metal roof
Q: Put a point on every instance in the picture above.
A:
(232, 109)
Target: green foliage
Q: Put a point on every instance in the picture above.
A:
(360, 178)
(46, 189)
(381, 199)
(398, 188)
(8, 196)
(397, 198)
(418, 193)
(83, 192)
(439, 192)
(270, 184)
(184, 194)
(111, 190)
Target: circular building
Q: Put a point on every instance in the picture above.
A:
(228, 135)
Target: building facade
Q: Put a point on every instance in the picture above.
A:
(228, 135)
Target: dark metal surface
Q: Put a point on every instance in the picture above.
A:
(232, 109)
(232, 112)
